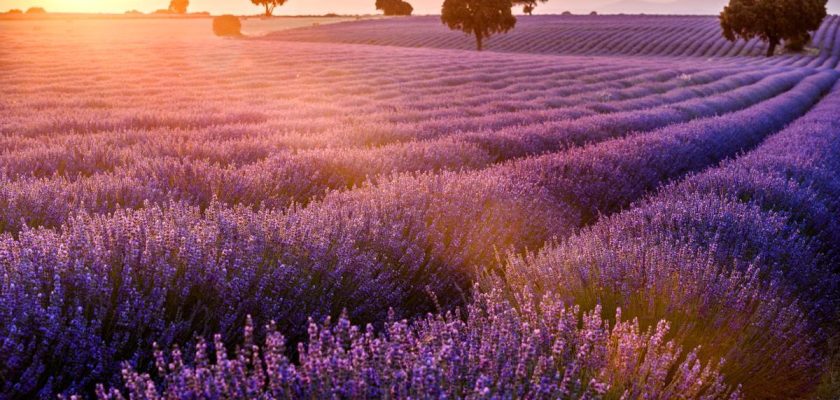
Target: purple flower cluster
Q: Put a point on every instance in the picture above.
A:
(97, 181)
(496, 350)
(153, 199)
(107, 286)
(741, 258)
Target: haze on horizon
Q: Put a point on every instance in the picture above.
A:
(308, 7)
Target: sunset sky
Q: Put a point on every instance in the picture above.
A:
(366, 6)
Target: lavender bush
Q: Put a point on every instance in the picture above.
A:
(281, 179)
(157, 191)
(117, 283)
(545, 351)
(764, 288)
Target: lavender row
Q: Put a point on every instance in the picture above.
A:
(76, 301)
(553, 136)
(499, 350)
(86, 101)
(741, 304)
(283, 179)
(661, 36)
(34, 157)
(741, 259)
(792, 175)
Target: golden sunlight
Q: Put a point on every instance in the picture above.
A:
(99, 6)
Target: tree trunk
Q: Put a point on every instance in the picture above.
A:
(771, 50)
(478, 42)
(268, 10)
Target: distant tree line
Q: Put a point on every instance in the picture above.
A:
(31, 10)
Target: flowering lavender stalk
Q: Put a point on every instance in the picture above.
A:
(741, 258)
(103, 288)
(128, 179)
(498, 350)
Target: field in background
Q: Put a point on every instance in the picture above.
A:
(162, 182)
(648, 36)
(97, 26)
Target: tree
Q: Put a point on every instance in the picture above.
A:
(269, 5)
(227, 25)
(528, 9)
(179, 6)
(36, 10)
(481, 18)
(394, 7)
(773, 21)
(404, 8)
(528, 6)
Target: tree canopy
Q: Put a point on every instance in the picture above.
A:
(480, 18)
(227, 25)
(179, 6)
(528, 6)
(394, 7)
(773, 21)
(269, 5)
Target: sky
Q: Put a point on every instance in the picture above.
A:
(293, 7)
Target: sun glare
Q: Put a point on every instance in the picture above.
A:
(89, 6)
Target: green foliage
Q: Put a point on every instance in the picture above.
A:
(797, 43)
(773, 21)
(269, 5)
(528, 6)
(480, 18)
(179, 6)
(227, 25)
(394, 7)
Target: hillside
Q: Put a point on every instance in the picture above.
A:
(652, 215)
(671, 36)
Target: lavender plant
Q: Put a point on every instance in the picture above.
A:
(160, 191)
(162, 273)
(498, 350)
(762, 292)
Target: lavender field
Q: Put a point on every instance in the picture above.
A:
(618, 207)
(604, 35)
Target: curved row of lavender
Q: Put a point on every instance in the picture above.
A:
(741, 259)
(280, 180)
(497, 349)
(104, 287)
(196, 190)
(607, 35)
